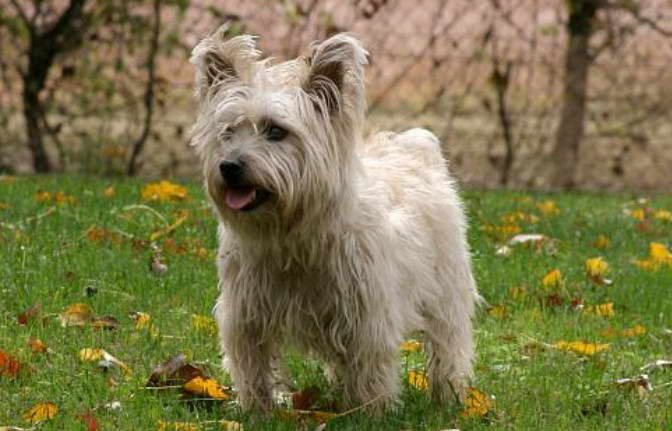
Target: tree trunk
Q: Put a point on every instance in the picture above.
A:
(578, 60)
(31, 115)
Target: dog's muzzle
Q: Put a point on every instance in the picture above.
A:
(239, 193)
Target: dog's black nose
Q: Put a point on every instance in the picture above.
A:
(232, 172)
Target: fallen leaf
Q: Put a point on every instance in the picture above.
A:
(659, 256)
(517, 292)
(90, 354)
(231, 425)
(31, 313)
(548, 208)
(312, 415)
(105, 360)
(36, 345)
(411, 346)
(595, 269)
(603, 310)
(206, 386)
(638, 214)
(88, 420)
(305, 399)
(104, 322)
(40, 412)
(581, 347)
(501, 232)
(477, 404)
(601, 242)
(634, 331)
(176, 426)
(142, 320)
(498, 311)
(173, 372)
(664, 215)
(641, 384)
(164, 191)
(519, 216)
(109, 192)
(9, 365)
(417, 379)
(76, 315)
(552, 278)
(204, 324)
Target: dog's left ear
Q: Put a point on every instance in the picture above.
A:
(336, 75)
(220, 62)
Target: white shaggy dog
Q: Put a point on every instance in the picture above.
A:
(334, 244)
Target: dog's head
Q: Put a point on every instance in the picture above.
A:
(277, 141)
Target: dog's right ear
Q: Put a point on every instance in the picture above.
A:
(220, 62)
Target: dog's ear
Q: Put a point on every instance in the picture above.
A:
(336, 75)
(220, 62)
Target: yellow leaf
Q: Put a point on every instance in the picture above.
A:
(417, 379)
(498, 311)
(501, 232)
(40, 412)
(231, 425)
(596, 267)
(411, 346)
(142, 320)
(637, 214)
(634, 331)
(62, 198)
(206, 386)
(76, 315)
(659, 255)
(91, 354)
(549, 208)
(552, 278)
(664, 215)
(42, 196)
(3, 206)
(514, 217)
(176, 426)
(601, 242)
(109, 192)
(517, 292)
(581, 347)
(164, 191)
(204, 324)
(604, 310)
(477, 404)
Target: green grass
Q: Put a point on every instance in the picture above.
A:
(46, 257)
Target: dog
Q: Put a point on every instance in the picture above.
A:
(334, 244)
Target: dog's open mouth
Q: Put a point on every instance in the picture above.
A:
(245, 198)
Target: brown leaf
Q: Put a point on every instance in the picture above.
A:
(76, 315)
(306, 398)
(88, 420)
(104, 322)
(10, 366)
(175, 371)
(303, 415)
(36, 345)
(31, 313)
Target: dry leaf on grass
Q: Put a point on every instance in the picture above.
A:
(105, 360)
(417, 379)
(31, 313)
(304, 415)
(174, 372)
(601, 242)
(76, 315)
(477, 404)
(40, 412)
(548, 208)
(411, 346)
(659, 256)
(9, 365)
(164, 191)
(552, 278)
(602, 310)
(580, 347)
(204, 324)
(498, 311)
(176, 426)
(37, 346)
(628, 332)
(161, 232)
(207, 387)
(88, 420)
(595, 270)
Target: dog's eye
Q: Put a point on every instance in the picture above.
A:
(276, 133)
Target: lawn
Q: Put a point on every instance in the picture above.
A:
(555, 334)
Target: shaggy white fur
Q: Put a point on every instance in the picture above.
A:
(336, 245)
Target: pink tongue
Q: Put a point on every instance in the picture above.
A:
(239, 197)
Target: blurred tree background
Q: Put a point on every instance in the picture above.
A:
(523, 93)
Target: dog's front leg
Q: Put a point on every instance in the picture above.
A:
(249, 363)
